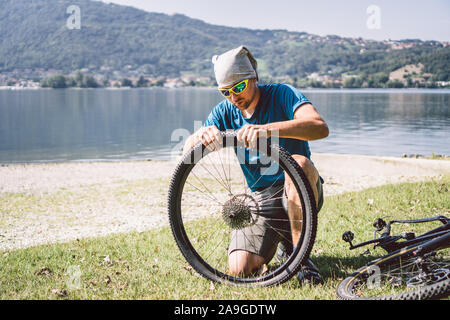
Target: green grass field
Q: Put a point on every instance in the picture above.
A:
(148, 265)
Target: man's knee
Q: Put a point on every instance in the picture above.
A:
(242, 262)
(308, 167)
(311, 173)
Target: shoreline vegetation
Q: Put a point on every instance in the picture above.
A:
(433, 156)
(79, 79)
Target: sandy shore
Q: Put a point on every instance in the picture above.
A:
(45, 203)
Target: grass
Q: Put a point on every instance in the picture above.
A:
(433, 156)
(148, 265)
(438, 157)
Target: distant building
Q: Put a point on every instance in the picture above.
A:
(174, 83)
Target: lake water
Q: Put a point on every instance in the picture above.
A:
(101, 124)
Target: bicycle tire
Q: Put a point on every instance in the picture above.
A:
(281, 274)
(346, 288)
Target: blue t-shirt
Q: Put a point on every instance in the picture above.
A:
(278, 102)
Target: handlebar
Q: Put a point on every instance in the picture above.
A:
(387, 241)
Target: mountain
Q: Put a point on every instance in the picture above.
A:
(34, 34)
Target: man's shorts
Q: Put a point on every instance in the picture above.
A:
(272, 225)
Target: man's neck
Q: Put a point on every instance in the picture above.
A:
(247, 113)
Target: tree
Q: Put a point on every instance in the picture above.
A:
(78, 78)
(353, 82)
(55, 82)
(380, 77)
(395, 84)
(160, 82)
(105, 83)
(89, 82)
(126, 83)
(142, 82)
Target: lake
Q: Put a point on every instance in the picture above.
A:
(127, 124)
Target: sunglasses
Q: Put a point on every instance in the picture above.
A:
(236, 89)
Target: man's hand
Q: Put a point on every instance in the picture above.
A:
(250, 133)
(209, 136)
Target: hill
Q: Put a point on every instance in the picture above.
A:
(118, 41)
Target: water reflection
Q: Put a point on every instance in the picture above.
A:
(58, 125)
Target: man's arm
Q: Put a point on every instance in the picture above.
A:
(307, 125)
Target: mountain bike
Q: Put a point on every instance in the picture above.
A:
(209, 201)
(414, 268)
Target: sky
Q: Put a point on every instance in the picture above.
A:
(369, 19)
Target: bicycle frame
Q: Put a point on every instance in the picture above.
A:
(441, 235)
(442, 241)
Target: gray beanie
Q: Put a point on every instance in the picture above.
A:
(234, 66)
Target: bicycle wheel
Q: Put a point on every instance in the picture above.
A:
(400, 275)
(209, 200)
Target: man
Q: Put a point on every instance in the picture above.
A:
(260, 111)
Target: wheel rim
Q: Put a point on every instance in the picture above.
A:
(214, 202)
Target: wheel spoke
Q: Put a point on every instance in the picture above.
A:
(209, 194)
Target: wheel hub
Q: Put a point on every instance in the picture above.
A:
(427, 278)
(239, 211)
